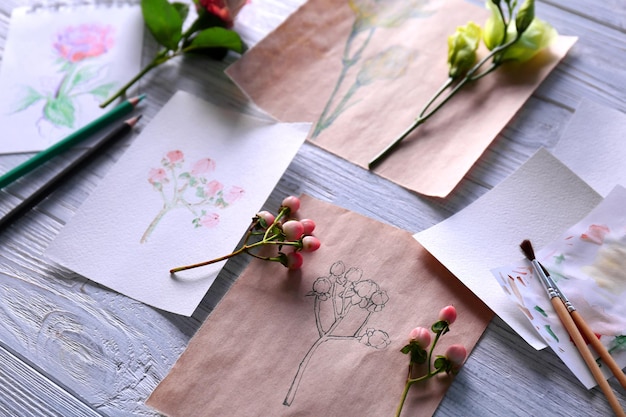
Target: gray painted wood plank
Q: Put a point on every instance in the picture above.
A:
(81, 349)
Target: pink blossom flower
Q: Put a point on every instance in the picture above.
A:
(174, 156)
(309, 226)
(294, 260)
(210, 220)
(76, 43)
(448, 314)
(157, 175)
(212, 188)
(203, 166)
(293, 229)
(595, 233)
(421, 335)
(310, 244)
(233, 194)
(291, 202)
(456, 355)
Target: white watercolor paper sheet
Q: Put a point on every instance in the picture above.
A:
(58, 65)
(184, 192)
(536, 202)
(592, 146)
(588, 263)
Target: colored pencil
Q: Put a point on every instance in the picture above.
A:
(79, 163)
(71, 140)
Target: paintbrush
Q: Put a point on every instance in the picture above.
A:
(558, 301)
(591, 337)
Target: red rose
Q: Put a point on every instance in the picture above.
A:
(218, 8)
(76, 43)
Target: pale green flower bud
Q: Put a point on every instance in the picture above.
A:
(494, 30)
(525, 15)
(538, 36)
(462, 46)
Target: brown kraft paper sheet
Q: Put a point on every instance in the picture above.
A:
(384, 69)
(264, 351)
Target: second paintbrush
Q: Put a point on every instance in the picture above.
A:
(576, 328)
(79, 163)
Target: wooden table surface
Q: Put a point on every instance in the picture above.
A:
(70, 347)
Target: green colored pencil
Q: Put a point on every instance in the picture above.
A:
(64, 144)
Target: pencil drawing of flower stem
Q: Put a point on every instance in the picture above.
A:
(390, 63)
(341, 292)
(73, 46)
(190, 190)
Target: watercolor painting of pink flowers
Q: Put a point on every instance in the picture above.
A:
(192, 190)
(341, 293)
(74, 48)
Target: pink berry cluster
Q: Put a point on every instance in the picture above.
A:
(420, 351)
(290, 236)
(284, 231)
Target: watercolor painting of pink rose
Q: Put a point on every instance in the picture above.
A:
(191, 190)
(75, 47)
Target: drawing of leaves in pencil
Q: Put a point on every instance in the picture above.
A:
(388, 64)
(341, 293)
(191, 190)
(74, 47)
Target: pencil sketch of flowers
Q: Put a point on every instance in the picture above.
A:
(341, 292)
(74, 47)
(390, 63)
(191, 190)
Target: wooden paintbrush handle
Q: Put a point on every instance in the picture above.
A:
(599, 348)
(583, 349)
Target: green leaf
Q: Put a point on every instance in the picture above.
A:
(182, 9)
(442, 363)
(418, 355)
(261, 222)
(27, 99)
(440, 327)
(216, 37)
(282, 258)
(103, 91)
(164, 22)
(60, 111)
(83, 75)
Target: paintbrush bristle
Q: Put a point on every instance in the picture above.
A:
(528, 250)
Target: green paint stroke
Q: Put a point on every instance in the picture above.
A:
(541, 311)
(551, 333)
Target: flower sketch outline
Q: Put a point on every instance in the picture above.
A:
(343, 290)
